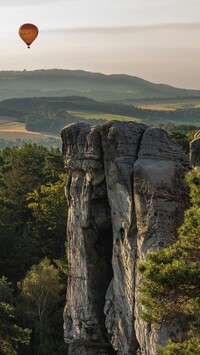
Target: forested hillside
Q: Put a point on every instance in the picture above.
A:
(52, 114)
(57, 82)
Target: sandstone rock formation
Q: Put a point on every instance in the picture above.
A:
(126, 195)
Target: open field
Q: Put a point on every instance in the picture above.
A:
(102, 116)
(171, 106)
(11, 130)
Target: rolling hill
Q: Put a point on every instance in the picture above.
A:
(51, 114)
(57, 82)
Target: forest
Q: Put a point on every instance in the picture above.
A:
(33, 269)
(33, 261)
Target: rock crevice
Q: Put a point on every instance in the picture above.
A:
(126, 195)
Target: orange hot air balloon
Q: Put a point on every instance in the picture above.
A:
(28, 33)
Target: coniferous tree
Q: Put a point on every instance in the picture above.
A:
(171, 279)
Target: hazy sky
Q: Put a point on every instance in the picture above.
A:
(158, 40)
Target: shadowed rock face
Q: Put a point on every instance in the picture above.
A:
(126, 195)
(89, 236)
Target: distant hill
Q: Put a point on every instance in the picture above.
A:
(57, 82)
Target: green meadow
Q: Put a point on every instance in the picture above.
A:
(102, 116)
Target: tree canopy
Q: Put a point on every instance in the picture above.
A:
(33, 215)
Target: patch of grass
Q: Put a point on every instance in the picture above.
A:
(102, 116)
(170, 106)
(16, 130)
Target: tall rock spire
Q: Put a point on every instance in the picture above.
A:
(126, 194)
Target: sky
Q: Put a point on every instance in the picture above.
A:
(157, 40)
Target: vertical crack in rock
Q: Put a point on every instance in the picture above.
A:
(120, 142)
(89, 236)
(161, 196)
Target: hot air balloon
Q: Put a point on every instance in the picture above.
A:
(28, 33)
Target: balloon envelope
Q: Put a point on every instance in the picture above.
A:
(28, 33)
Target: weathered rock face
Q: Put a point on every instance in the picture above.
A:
(121, 143)
(126, 194)
(195, 152)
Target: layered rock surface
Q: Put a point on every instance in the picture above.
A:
(126, 195)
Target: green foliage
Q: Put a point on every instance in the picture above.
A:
(181, 139)
(41, 293)
(48, 207)
(33, 214)
(6, 291)
(11, 334)
(171, 279)
(182, 134)
(194, 180)
(23, 170)
(48, 142)
(41, 288)
(188, 347)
